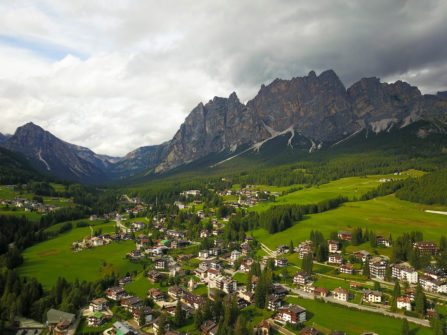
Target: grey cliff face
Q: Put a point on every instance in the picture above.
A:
(318, 107)
(309, 104)
(221, 124)
(138, 161)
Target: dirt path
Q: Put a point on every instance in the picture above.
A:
(435, 212)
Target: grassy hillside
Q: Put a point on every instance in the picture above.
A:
(385, 215)
(14, 168)
(329, 317)
(50, 259)
(350, 187)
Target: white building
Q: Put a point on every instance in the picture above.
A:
(292, 314)
(235, 254)
(97, 241)
(192, 193)
(430, 284)
(340, 294)
(333, 246)
(377, 268)
(98, 305)
(204, 254)
(335, 259)
(404, 303)
(281, 262)
(372, 296)
(404, 272)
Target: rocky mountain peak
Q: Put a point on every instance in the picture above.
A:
(312, 75)
(32, 135)
(29, 128)
(330, 76)
(48, 153)
(233, 97)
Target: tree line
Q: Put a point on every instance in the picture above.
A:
(428, 189)
(279, 218)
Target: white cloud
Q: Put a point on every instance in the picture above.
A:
(132, 70)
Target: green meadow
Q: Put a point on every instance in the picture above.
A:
(350, 187)
(329, 317)
(51, 259)
(140, 285)
(385, 215)
(7, 193)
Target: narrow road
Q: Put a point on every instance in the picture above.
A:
(428, 294)
(378, 310)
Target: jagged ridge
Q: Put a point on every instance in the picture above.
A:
(317, 107)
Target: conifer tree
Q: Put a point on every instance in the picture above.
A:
(162, 324)
(405, 327)
(198, 319)
(420, 301)
(179, 317)
(366, 271)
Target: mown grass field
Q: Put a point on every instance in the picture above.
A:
(241, 278)
(385, 215)
(140, 285)
(351, 187)
(329, 317)
(51, 259)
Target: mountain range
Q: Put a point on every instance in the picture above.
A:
(318, 109)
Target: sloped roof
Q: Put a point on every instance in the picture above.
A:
(55, 316)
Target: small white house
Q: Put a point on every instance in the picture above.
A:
(204, 254)
(235, 254)
(372, 296)
(98, 305)
(340, 294)
(404, 303)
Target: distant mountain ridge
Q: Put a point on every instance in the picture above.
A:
(318, 109)
(138, 161)
(51, 155)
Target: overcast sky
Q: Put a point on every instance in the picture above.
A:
(116, 75)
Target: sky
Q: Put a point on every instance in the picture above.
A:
(114, 75)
